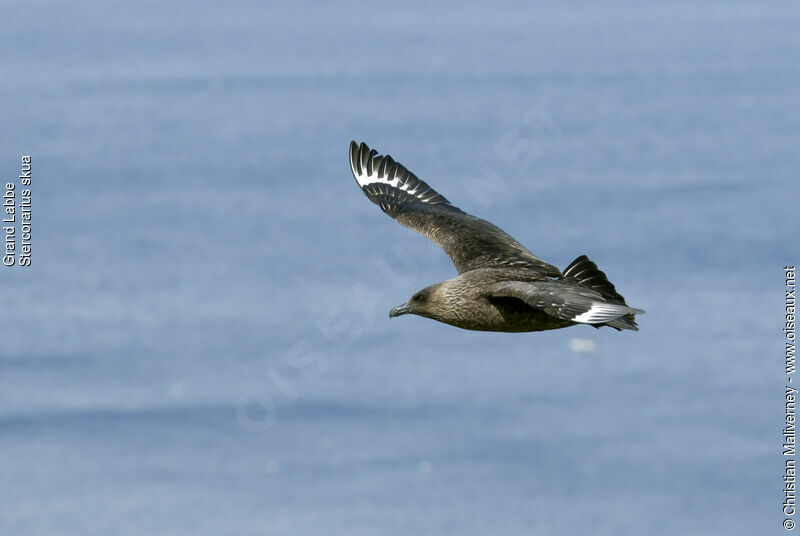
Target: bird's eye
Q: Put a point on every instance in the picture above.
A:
(419, 298)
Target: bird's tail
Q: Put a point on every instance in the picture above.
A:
(585, 273)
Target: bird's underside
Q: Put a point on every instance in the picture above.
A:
(501, 285)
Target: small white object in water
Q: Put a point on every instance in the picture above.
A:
(582, 346)
(177, 389)
(425, 467)
(272, 467)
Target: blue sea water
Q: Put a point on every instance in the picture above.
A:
(201, 345)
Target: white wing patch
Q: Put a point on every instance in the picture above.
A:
(394, 182)
(601, 312)
(370, 168)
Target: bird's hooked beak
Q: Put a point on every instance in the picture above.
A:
(399, 310)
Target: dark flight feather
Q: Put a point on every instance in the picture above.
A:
(470, 242)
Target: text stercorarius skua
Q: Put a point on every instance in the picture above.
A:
(501, 286)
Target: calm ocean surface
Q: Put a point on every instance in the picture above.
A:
(202, 343)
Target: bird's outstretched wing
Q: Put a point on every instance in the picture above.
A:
(469, 241)
(569, 302)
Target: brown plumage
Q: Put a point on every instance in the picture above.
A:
(501, 285)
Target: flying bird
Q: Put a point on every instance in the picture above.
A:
(501, 286)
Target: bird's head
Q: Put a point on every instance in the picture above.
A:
(426, 302)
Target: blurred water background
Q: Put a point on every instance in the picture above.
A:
(202, 344)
